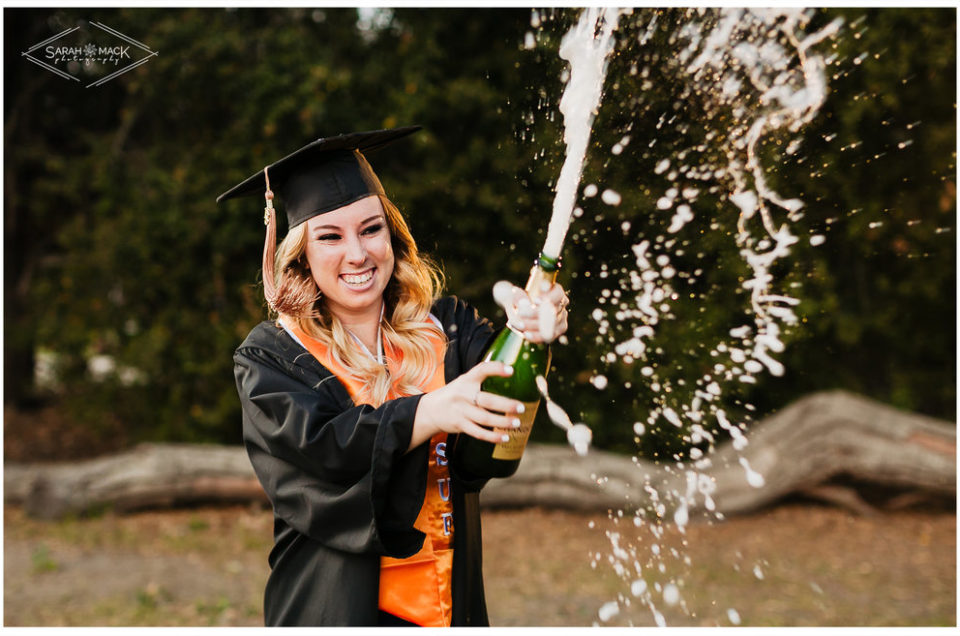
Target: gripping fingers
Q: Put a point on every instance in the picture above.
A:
(481, 433)
(486, 418)
(499, 403)
(489, 368)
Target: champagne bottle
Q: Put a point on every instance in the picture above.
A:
(478, 458)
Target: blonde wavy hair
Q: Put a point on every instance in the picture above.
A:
(415, 285)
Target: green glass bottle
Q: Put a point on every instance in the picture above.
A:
(478, 458)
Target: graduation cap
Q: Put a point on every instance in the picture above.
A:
(324, 175)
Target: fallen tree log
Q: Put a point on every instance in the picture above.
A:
(800, 449)
(147, 476)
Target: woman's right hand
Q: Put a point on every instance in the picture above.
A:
(461, 407)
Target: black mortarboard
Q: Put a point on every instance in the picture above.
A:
(324, 175)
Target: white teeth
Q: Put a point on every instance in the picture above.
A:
(358, 279)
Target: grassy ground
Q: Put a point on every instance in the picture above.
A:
(790, 565)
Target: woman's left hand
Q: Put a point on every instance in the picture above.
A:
(542, 319)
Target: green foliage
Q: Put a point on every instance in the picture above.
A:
(198, 525)
(42, 560)
(211, 612)
(150, 598)
(878, 170)
(114, 245)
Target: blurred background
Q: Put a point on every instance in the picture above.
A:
(126, 288)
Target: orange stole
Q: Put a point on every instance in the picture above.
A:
(417, 588)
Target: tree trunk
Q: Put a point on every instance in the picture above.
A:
(802, 449)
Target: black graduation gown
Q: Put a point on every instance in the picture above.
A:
(344, 490)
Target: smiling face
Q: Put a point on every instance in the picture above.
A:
(351, 258)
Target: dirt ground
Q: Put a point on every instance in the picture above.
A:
(796, 564)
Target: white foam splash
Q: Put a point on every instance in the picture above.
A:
(608, 611)
(734, 616)
(671, 594)
(610, 197)
(579, 435)
(754, 478)
(587, 52)
(758, 68)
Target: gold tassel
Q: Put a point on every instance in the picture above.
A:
(269, 246)
(297, 294)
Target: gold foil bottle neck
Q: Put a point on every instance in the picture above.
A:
(540, 281)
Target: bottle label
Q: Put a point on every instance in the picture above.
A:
(518, 436)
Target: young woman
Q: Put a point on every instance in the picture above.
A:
(348, 397)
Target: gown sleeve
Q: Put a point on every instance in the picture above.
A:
(335, 472)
